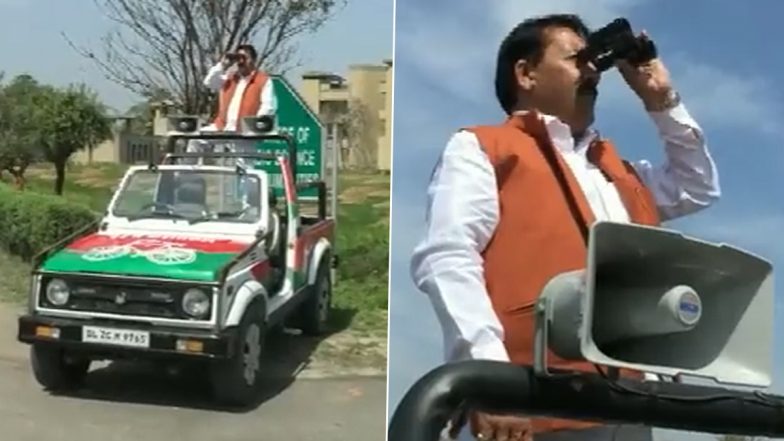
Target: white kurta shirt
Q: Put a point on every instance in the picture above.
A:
(214, 80)
(462, 214)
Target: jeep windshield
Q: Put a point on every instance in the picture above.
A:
(192, 195)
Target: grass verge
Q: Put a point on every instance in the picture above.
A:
(15, 274)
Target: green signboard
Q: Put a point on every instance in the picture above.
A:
(297, 119)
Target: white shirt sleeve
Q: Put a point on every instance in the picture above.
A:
(215, 77)
(462, 214)
(687, 181)
(269, 102)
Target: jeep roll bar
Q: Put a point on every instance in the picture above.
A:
(497, 386)
(235, 136)
(321, 187)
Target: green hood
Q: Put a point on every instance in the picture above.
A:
(146, 255)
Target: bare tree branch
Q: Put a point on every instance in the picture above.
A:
(169, 45)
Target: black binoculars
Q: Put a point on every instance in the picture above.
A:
(616, 41)
(233, 56)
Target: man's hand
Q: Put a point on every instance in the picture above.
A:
(491, 427)
(650, 81)
(227, 60)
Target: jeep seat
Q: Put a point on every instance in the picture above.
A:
(191, 193)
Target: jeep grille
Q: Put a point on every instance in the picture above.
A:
(158, 300)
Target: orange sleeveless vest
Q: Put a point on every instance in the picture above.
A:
(539, 234)
(251, 98)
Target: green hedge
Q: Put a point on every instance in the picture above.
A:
(30, 222)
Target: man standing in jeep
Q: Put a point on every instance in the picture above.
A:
(244, 90)
(510, 204)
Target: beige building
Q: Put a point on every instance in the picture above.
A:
(355, 112)
(107, 151)
(385, 117)
(125, 147)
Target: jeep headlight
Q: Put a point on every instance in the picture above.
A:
(57, 292)
(196, 302)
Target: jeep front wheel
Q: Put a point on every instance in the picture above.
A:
(236, 381)
(54, 371)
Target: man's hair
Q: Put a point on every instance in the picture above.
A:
(527, 41)
(249, 49)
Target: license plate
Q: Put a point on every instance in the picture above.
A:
(117, 337)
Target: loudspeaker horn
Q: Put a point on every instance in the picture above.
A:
(182, 123)
(654, 300)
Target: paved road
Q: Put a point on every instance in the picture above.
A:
(123, 402)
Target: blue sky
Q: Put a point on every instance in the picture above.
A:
(721, 59)
(31, 41)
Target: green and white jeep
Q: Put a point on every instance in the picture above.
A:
(190, 263)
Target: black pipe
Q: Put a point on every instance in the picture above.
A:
(292, 158)
(498, 386)
(321, 187)
(322, 195)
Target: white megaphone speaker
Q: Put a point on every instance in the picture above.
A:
(182, 123)
(656, 301)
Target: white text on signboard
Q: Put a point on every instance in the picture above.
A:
(300, 134)
(305, 158)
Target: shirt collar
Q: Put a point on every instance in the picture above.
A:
(561, 135)
(249, 77)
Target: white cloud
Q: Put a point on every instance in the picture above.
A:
(458, 54)
(448, 54)
(755, 232)
(595, 13)
(733, 101)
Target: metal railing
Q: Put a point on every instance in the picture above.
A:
(497, 386)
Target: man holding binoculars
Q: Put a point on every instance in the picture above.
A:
(244, 90)
(511, 205)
